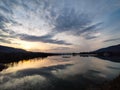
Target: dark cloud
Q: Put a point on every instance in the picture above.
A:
(3, 37)
(3, 27)
(88, 37)
(61, 19)
(109, 40)
(70, 20)
(5, 41)
(6, 6)
(3, 20)
(4, 9)
(90, 28)
(6, 33)
(45, 39)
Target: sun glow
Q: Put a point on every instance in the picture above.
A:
(27, 47)
(30, 46)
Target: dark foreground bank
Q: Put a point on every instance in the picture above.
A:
(112, 85)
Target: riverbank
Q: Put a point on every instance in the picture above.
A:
(112, 85)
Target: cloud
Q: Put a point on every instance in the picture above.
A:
(110, 40)
(12, 83)
(70, 20)
(38, 18)
(45, 39)
(88, 37)
(91, 35)
(5, 41)
(51, 20)
(35, 77)
(74, 22)
(5, 33)
(3, 20)
(90, 28)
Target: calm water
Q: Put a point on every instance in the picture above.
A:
(57, 73)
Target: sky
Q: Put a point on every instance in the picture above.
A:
(59, 25)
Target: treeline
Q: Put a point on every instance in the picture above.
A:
(12, 57)
(101, 53)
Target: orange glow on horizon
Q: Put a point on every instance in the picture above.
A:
(35, 46)
(29, 46)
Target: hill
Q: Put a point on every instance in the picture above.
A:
(115, 49)
(6, 49)
(9, 54)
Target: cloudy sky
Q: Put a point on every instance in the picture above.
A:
(59, 25)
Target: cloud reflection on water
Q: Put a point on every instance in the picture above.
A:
(54, 70)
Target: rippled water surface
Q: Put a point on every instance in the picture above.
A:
(57, 73)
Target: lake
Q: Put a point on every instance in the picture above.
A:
(58, 73)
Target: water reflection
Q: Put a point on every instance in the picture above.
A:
(57, 72)
(34, 63)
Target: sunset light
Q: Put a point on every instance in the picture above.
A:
(59, 44)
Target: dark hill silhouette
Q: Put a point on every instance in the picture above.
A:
(9, 54)
(115, 49)
(6, 49)
(109, 51)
